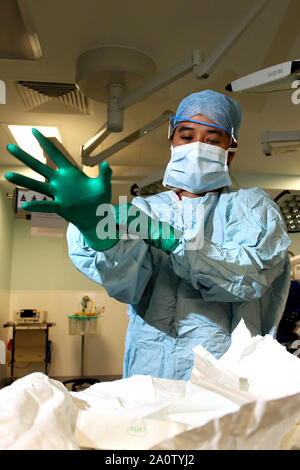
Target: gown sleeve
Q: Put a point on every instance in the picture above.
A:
(124, 270)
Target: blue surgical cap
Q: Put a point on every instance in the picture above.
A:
(215, 106)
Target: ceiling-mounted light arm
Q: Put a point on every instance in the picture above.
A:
(232, 37)
(93, 143)
(192, 63)
(114, 110)
(268, 138)
(92, 161)
(117, 103)
(115, 120)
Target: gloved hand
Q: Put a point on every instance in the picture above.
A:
(75, 195)
(76, 198)
(130, 219)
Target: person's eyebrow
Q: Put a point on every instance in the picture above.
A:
(185, 128)
(215, 131)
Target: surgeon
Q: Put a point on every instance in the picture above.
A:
(190, 262)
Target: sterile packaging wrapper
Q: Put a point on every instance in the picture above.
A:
(247, 400)
(37, 413)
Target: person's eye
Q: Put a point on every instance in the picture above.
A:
(187, 137)
(212, 142)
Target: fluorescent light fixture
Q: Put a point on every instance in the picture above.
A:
(27, 142)
(276, 78)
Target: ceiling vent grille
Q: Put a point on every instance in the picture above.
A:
(35, 94)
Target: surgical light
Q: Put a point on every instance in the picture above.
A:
(289, 203)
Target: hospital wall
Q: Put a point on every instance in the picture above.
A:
(295, 243)
(36, 272)
(7, 225)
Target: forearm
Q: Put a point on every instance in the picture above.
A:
(127, 221)
(235, 274)
(123, 270)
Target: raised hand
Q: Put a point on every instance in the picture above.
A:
(77, 198)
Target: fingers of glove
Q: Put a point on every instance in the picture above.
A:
(41, 206)
(105, 173)
(33, 163)
(53, 152)
(29, 183)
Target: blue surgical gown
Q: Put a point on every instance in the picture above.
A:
(194, 296)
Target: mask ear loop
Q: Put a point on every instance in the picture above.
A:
(169, 131)
(233, 141)
(231, 149)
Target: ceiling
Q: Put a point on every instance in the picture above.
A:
(41, 41)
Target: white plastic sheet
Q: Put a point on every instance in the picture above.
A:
(37, 413)
(249, 399)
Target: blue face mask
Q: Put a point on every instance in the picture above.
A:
(197, 167)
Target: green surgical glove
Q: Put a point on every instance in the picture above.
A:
(85, 201)
(75, 195)
(131, 220)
